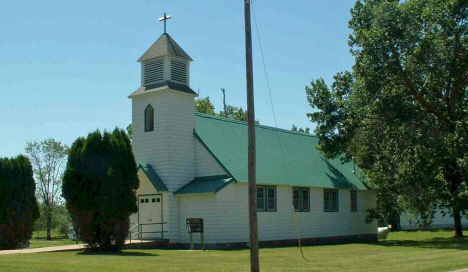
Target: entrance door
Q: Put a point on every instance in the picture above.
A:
(150, 212)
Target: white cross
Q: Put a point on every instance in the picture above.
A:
(165, 18)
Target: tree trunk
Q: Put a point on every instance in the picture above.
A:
(49, 225)
(457, 224)
(454, 177)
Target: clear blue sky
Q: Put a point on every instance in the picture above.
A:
(67, 67)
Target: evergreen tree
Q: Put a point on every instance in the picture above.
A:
(18, 205)
(100, 186)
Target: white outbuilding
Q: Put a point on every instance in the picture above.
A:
(194, 165)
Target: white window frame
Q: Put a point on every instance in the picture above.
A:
(301, 199)
(266, 199)
(353, 194)
(329, 202)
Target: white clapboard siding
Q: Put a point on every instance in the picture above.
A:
(205, 163)
(279, 225)
(438, 222)
(201, 206)
(169, 148)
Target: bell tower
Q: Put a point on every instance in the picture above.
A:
(163, 120)
(163, 113)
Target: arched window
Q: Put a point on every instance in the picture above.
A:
(149, 118)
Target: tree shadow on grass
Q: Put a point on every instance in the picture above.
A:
(120, 254)
(432, 243)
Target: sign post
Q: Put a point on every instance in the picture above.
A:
(195, 225)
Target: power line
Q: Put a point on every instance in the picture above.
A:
(264, 66)
(269, 91)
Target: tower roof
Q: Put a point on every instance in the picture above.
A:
(165, 45)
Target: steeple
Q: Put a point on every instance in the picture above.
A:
(165, 62)
(165, 65)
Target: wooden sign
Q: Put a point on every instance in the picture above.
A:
(194, 225)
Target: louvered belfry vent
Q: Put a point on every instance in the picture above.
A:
(165, 62)
(153, 71)
(179, 71)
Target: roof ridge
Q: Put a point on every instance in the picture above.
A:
(205, 115)
(171, 42)
(151, 46)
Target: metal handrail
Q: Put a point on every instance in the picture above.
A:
(133, 228)
(152, 223)
(140, 230)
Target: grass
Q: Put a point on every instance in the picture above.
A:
(39, 239)
(403, 251)
(38, 243)
(54, 234)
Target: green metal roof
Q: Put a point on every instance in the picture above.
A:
(283, 157)
(200, 185)
(153, 177)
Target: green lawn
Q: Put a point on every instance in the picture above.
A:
(54, 233)
(37, 243)
(39, 240)
(404, 251)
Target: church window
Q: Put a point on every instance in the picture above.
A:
(297, 199)
(353, 200)
(146, 200)
(149, 118)
(271, 198)
(142, 200)
(330, 200)
(261, 198)
(266, 198)
(179, 71)
(153, 200)
(153, 71)
(301, 199)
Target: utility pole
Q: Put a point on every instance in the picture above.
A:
(224, 101)
(253, 224)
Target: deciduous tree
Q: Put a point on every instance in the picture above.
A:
(403, 111)
(296, 129)
(48, 159)
(204, 105)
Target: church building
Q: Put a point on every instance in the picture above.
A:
(194, 165)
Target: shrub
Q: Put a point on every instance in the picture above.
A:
(18, 205)
(99, 187)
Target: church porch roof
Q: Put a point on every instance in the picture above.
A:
(155, 180)
(203, 185)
